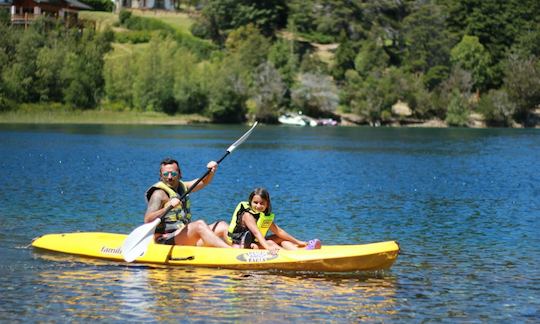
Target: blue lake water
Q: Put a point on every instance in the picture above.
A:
(464, 204)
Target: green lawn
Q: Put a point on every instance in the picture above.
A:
(58, 114)
(178, 20)
(102, 19)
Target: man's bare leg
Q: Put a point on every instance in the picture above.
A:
(199, 234)
(221, 229)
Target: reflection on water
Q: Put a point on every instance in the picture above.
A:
(102, 291)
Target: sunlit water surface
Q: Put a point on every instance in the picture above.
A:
(464, 205)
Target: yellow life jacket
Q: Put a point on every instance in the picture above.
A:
(236, 229)
(176, 217)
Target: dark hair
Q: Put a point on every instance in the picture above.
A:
(167, 161)
(264, 195)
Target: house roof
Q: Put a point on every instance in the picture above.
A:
(75, 4)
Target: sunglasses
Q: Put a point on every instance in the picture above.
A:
(173, 173)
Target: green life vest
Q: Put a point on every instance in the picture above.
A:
(236, 229)
(177, 217)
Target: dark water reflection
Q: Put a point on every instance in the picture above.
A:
(462, 203)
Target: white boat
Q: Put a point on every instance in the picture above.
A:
(297, 120)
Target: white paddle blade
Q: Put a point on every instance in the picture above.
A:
(242, 139)
(138, 240)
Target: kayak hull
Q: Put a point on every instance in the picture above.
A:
(330, 258)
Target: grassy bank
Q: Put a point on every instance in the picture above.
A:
(57, 114)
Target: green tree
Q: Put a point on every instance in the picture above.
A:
(497, 24)
(82, 73)
(458, 110)
(458, 87)
(227, 91)
(284, 58)
(154, 82)
(471, 55)
(49, 63)
(427, 42)
(219, 17)
(19, 77)
(249, 45)
(344, 58)
(522, 83)
(301, 15)
(119, 75)
(371, 57)
(189, 91)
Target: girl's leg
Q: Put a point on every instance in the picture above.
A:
(282, 243)
(289, 245)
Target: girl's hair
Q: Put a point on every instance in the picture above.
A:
(264, 195)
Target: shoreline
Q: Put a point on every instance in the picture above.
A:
(63, 115)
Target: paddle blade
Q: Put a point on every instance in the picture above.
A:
(241, 139)
(138, 240)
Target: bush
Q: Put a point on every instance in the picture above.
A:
(201, 48)
(133, 37)
(124, 16)
(316, 95)
(6, 104)
(200, 29)
(458, 110)
(522, 83)
(497, 108)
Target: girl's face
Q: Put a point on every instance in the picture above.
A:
(259, 204)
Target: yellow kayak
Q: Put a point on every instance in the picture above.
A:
(330, 258)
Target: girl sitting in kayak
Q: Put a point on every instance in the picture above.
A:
(251, 221)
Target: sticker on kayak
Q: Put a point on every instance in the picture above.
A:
(258, 256)
(108, 250)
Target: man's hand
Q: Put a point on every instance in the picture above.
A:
(174, 202)
(212, 165)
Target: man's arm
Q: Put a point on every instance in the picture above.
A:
(212, 166)
(159, 201)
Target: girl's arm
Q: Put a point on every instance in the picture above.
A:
(279, 232)
(251, 224)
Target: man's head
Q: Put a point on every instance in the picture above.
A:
(169, 172)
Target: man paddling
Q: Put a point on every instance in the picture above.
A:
(176, 227)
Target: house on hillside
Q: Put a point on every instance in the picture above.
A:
(24, 12)
(146, 4)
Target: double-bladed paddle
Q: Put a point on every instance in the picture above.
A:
(138, 240)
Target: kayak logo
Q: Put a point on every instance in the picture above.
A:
(259, 256)
(108, 250)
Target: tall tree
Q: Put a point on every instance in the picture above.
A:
(219, 17)
(471, 55)
(427, 42)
